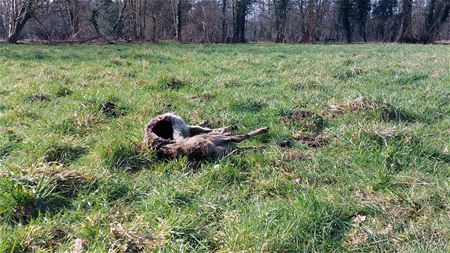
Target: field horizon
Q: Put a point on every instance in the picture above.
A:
(356, 159)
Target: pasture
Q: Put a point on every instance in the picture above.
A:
(363, 164)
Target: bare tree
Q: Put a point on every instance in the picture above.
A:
(312, 15)
(74, 9)
(406, 34)
(305, 21)
(22, 12)
(437, 14)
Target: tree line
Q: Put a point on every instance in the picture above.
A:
(226, 21)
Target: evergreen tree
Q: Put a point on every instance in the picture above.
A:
(345, 14)
(362, 9)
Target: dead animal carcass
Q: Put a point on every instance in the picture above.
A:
(170, 137)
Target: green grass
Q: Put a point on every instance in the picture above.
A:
(369, 168)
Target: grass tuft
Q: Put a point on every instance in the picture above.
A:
(22, 201)
(172, 82)
(124, 155)
(63, 153)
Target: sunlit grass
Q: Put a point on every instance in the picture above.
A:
(367, 167)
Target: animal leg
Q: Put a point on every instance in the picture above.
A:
(239, 138)
(203, 123)
(224, 130)
(196, 130)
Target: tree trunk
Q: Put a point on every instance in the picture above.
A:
(348, 36)
(73, 10)
(345, 11)
(153, 28)
(406, 35)
(240, 12)
(2, 28)
(364, 34)
(179, 20)
(25, 13)
(224, 21)
(280, 19)
(119, 25)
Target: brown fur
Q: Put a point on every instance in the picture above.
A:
(170, 137)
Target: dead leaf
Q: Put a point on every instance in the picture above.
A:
(79, 245)
(297, 180)
(359, 218)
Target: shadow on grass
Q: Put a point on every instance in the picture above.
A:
(391, 113)
(124, 155)
(63, 153)
(26, 198)
(248, 106)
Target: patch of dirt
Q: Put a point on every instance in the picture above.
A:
(40, 97)
(297, 115)
(285, 144)
(309, 121)
(110, 109)
(313, 141)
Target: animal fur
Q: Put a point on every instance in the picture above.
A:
(170, 137)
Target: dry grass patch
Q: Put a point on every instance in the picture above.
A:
(38, 239)
(385, 132)
(351, 73)
(294, 155)
(398, 219)
(313, 140)
(127, 240)
(364, 104)
(297, 115)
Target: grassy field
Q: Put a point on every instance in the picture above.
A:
(368, 168)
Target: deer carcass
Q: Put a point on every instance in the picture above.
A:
(170, 137)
